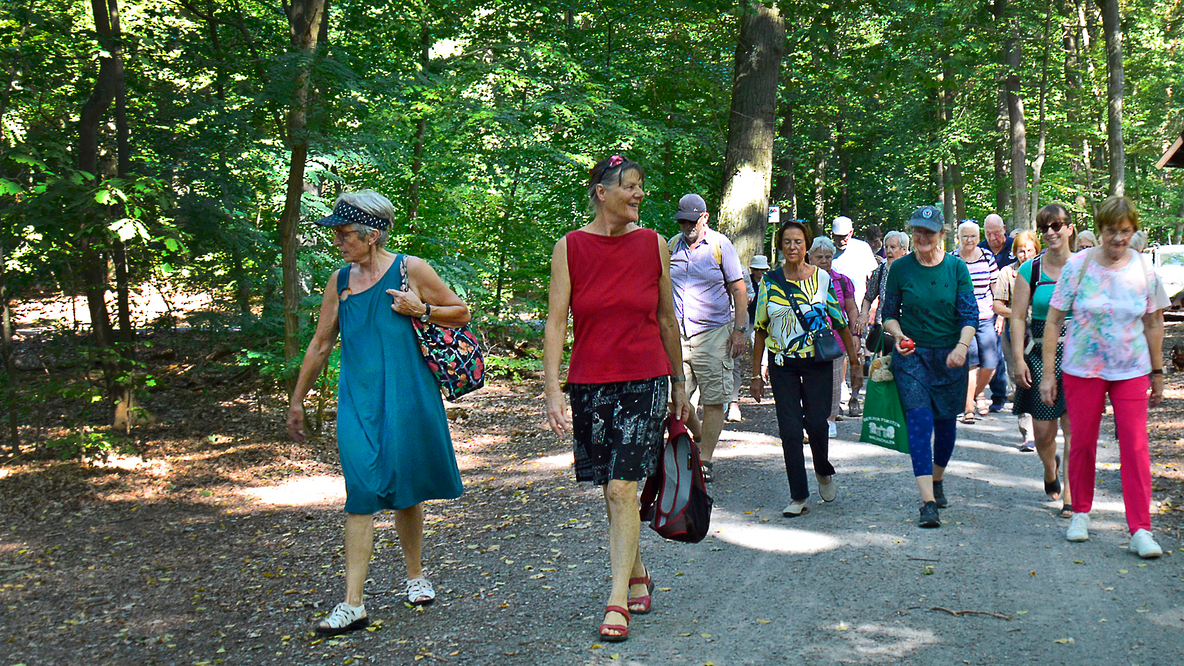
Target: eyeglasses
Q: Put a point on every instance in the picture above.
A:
(1054, 226)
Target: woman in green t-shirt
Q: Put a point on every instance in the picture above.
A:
(1054, 224)
(930, 309)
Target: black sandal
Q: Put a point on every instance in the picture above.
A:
(705, 467)
(1054, 487)
(1066, 511)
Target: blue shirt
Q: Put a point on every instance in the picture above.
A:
(1005, 258)
(700, 279)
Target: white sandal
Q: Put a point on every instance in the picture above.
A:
(344, 618)
(420, 592)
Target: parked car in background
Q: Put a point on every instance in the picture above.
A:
(1169, 265)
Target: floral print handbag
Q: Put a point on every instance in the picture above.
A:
(453, 355)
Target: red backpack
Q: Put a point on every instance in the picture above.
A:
(675, 500)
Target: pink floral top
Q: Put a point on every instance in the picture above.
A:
(1105, 337)
(844, 289)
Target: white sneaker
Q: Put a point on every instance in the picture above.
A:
(1144, 544)
(733, 413)
(827, 489)
(1079, 528)
(420, 592)
(344, 618)
(831, 429)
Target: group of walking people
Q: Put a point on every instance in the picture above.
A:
(1096, 322)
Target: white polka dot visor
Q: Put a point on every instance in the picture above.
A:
(344, 213)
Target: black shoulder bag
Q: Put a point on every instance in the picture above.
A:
(826, 347)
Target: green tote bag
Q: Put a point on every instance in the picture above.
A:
(883, 417)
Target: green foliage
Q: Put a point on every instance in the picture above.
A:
(89, 445)
(513, 368)
(480, 120)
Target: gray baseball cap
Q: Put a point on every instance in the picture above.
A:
(927, 217)
(690, 208)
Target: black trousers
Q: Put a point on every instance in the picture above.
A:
(802, 391)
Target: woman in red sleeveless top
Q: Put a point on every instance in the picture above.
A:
(614, 277)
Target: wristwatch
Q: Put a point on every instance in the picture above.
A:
(427, 313)
(742, 329)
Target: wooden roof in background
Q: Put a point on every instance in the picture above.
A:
(1174, 157)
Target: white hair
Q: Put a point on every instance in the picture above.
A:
(822, 242)
(969, 225)
(1139, 241)
(901, 238)
(377, 205)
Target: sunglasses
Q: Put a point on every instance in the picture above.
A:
(1055, 227)
(613, 162)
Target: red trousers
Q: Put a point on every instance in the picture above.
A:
(1085, 400)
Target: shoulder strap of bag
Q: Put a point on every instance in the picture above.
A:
(716, 249)
(1033, 277)
(1148, 275)
(343, 279)
(1089, 256)
(789, 287)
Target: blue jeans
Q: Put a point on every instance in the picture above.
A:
(999, 381)
(985, 350)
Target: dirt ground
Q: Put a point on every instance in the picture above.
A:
(220, 543)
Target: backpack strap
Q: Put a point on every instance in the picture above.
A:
(716, 249)
(343, 279)
(1034, 277)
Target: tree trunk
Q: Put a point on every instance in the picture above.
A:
(1073, 94)
(421, 125)
(820, 191)
(304, 22)
(785, 189)
(126, 407)
(1112, 27)
(1002, 184)
(748, 162)
(844, 169)
(93, 234)
(9, 352)
(1017, 134)
(1038, 164)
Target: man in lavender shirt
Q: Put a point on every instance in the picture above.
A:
(710, 303)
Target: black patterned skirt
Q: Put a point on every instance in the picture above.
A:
(1027, 401)
(617, 428)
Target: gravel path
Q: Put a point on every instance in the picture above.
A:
(224, 575)
(856, 581)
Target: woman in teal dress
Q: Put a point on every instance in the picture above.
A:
(392, 433)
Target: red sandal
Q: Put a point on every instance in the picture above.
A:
(645, 602)
(623, 628)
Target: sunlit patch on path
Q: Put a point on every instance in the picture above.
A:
(302, 491)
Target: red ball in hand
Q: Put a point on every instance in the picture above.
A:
(907, 344)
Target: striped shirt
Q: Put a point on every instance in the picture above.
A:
(984, 273)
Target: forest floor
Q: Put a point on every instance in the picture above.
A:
(220, 543)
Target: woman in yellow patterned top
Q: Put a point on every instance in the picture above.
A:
(796, 305)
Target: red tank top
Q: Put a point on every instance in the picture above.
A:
(614, 306)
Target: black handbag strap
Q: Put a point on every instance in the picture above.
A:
(779, 277)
